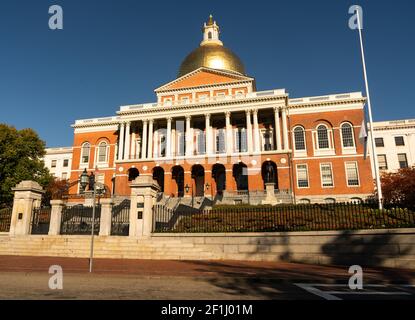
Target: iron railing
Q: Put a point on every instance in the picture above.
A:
(304, 217)
(77, 220)
(5, 219)
(41, 220)
(120, 219)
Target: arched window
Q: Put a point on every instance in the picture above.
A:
(102, 152)
(210, 35)
(323, 137)
(86, 148)
(299, 138)
(347, 135)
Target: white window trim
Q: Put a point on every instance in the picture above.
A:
(83, 165)
(308, 176)
(348, 150)
(330, 151)
(347, 178)
(102, 163)
(299, 153)
(321, 175)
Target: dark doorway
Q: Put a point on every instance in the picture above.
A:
(240, 173)
(219, 175)
(178, 175)
(158, 175)
(198, 176)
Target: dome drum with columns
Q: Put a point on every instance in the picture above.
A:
(211, 130)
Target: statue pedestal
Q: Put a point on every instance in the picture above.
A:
(270, 191)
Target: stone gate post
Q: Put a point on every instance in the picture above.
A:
(106, 217)
(27, 196)
(56, 217)
(143, 194)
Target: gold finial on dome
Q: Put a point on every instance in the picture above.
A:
(210, 22)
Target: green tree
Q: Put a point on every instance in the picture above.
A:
(21, 153)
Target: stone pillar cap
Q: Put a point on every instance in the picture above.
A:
(28, 185)
(145, 181)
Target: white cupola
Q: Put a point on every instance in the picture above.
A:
(211, 33)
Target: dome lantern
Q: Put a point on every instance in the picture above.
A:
(212, 53)
(211, 33)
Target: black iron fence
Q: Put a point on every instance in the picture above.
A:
(41, 220)
(304, 217)
(77, 220)
(120, 219)
(5, 219)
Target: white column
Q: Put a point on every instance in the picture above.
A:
(207, 135)
(229, 139)
(249, 130)
(127, 141)
(156, 144)
(284, 128)
(121, 141)
(168, 140)
(256, 132)
(144, 141)
(277, 129)
(150, 139)
(189, 150)
(133, 144)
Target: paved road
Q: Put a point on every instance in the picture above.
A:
(28, 278)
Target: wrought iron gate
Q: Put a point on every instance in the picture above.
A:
(120, 219)
(77, 220)
(41, 220)
(5, 219)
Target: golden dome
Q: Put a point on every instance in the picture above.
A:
(212, 54)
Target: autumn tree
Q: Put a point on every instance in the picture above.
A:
(21, 153)
(399, 187)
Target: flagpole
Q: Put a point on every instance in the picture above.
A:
(369, 107)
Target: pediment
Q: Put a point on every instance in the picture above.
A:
(204, 77)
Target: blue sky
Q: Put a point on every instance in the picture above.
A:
(114, 53)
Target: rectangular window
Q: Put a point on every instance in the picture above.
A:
(403, 161)
(203, 97)
(383, 164)
(220, 141)
(66, 163)
(302, 176)
(379, 142)
(201, 143)
(64, 176)
(326, 175)
(399, 141)
(54, 162)
(241, 143)
(352, 174)
(185, 100)
(100, 179)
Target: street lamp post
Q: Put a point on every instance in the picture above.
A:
(84, 181)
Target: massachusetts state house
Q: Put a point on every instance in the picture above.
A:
(212, 134)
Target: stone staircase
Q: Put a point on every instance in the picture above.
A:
(104, 247)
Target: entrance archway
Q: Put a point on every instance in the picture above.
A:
(133, 173)
(240, 173)
(177, 173)
(158, 175)
(269, 173)
(198, 175)
(219, 175)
